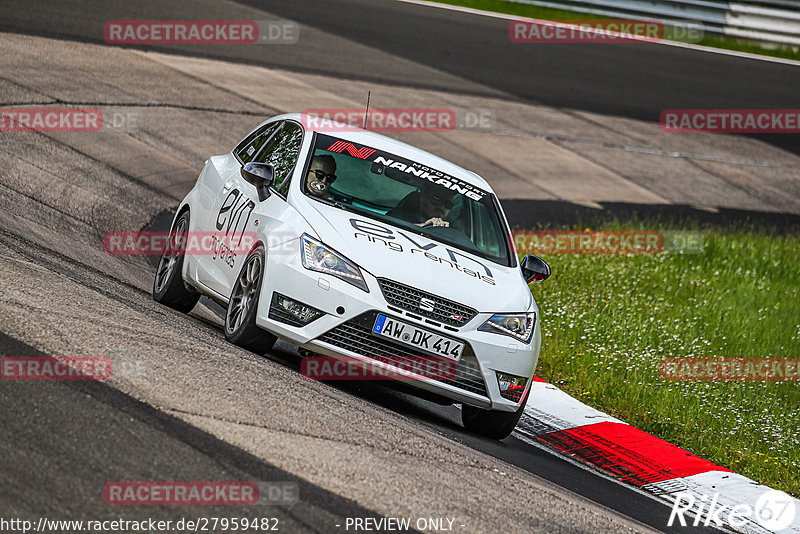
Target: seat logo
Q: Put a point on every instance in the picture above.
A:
(427, 305)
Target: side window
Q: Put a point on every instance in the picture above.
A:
(250, 146)
(282, 152)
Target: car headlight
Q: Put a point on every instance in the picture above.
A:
(323, 259)
(517, 325)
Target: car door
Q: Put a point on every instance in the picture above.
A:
(237, 205)
(227, 196)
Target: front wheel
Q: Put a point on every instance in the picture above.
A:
(491, 423)
(240, 319)
(168, 286)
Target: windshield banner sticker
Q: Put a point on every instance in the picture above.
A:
(404, 165)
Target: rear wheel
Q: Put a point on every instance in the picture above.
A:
(491, 423)
(168, 286)
(240, 319)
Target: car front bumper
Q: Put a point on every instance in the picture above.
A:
(344, 332)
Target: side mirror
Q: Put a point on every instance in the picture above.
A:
(534, 268)
(261, 175)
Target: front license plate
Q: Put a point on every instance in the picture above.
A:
(409, 334)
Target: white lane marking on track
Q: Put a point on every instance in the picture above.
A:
(560, 410)
(688, 46)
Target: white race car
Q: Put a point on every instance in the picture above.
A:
(362, 248)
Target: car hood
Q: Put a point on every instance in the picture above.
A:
(386, 251)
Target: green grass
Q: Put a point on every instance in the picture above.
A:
(609, 320)
(527, 10)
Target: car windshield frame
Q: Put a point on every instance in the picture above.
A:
(489, 201)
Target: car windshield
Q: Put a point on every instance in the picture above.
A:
(407, 194)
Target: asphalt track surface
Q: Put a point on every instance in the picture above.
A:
(54, 470)
(45, 468)
(629, 80)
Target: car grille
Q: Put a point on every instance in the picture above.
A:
(408, 298)
(356, 336)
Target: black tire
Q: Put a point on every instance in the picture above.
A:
(168, 286)
(240, 318)
(491, 423)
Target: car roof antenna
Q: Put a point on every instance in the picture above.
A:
(366, 111)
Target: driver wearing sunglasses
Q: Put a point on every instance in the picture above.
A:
(321, 174)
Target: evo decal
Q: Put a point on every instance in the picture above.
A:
(377, 233)
(232, 217)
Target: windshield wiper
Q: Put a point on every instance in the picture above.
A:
(345, 207)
